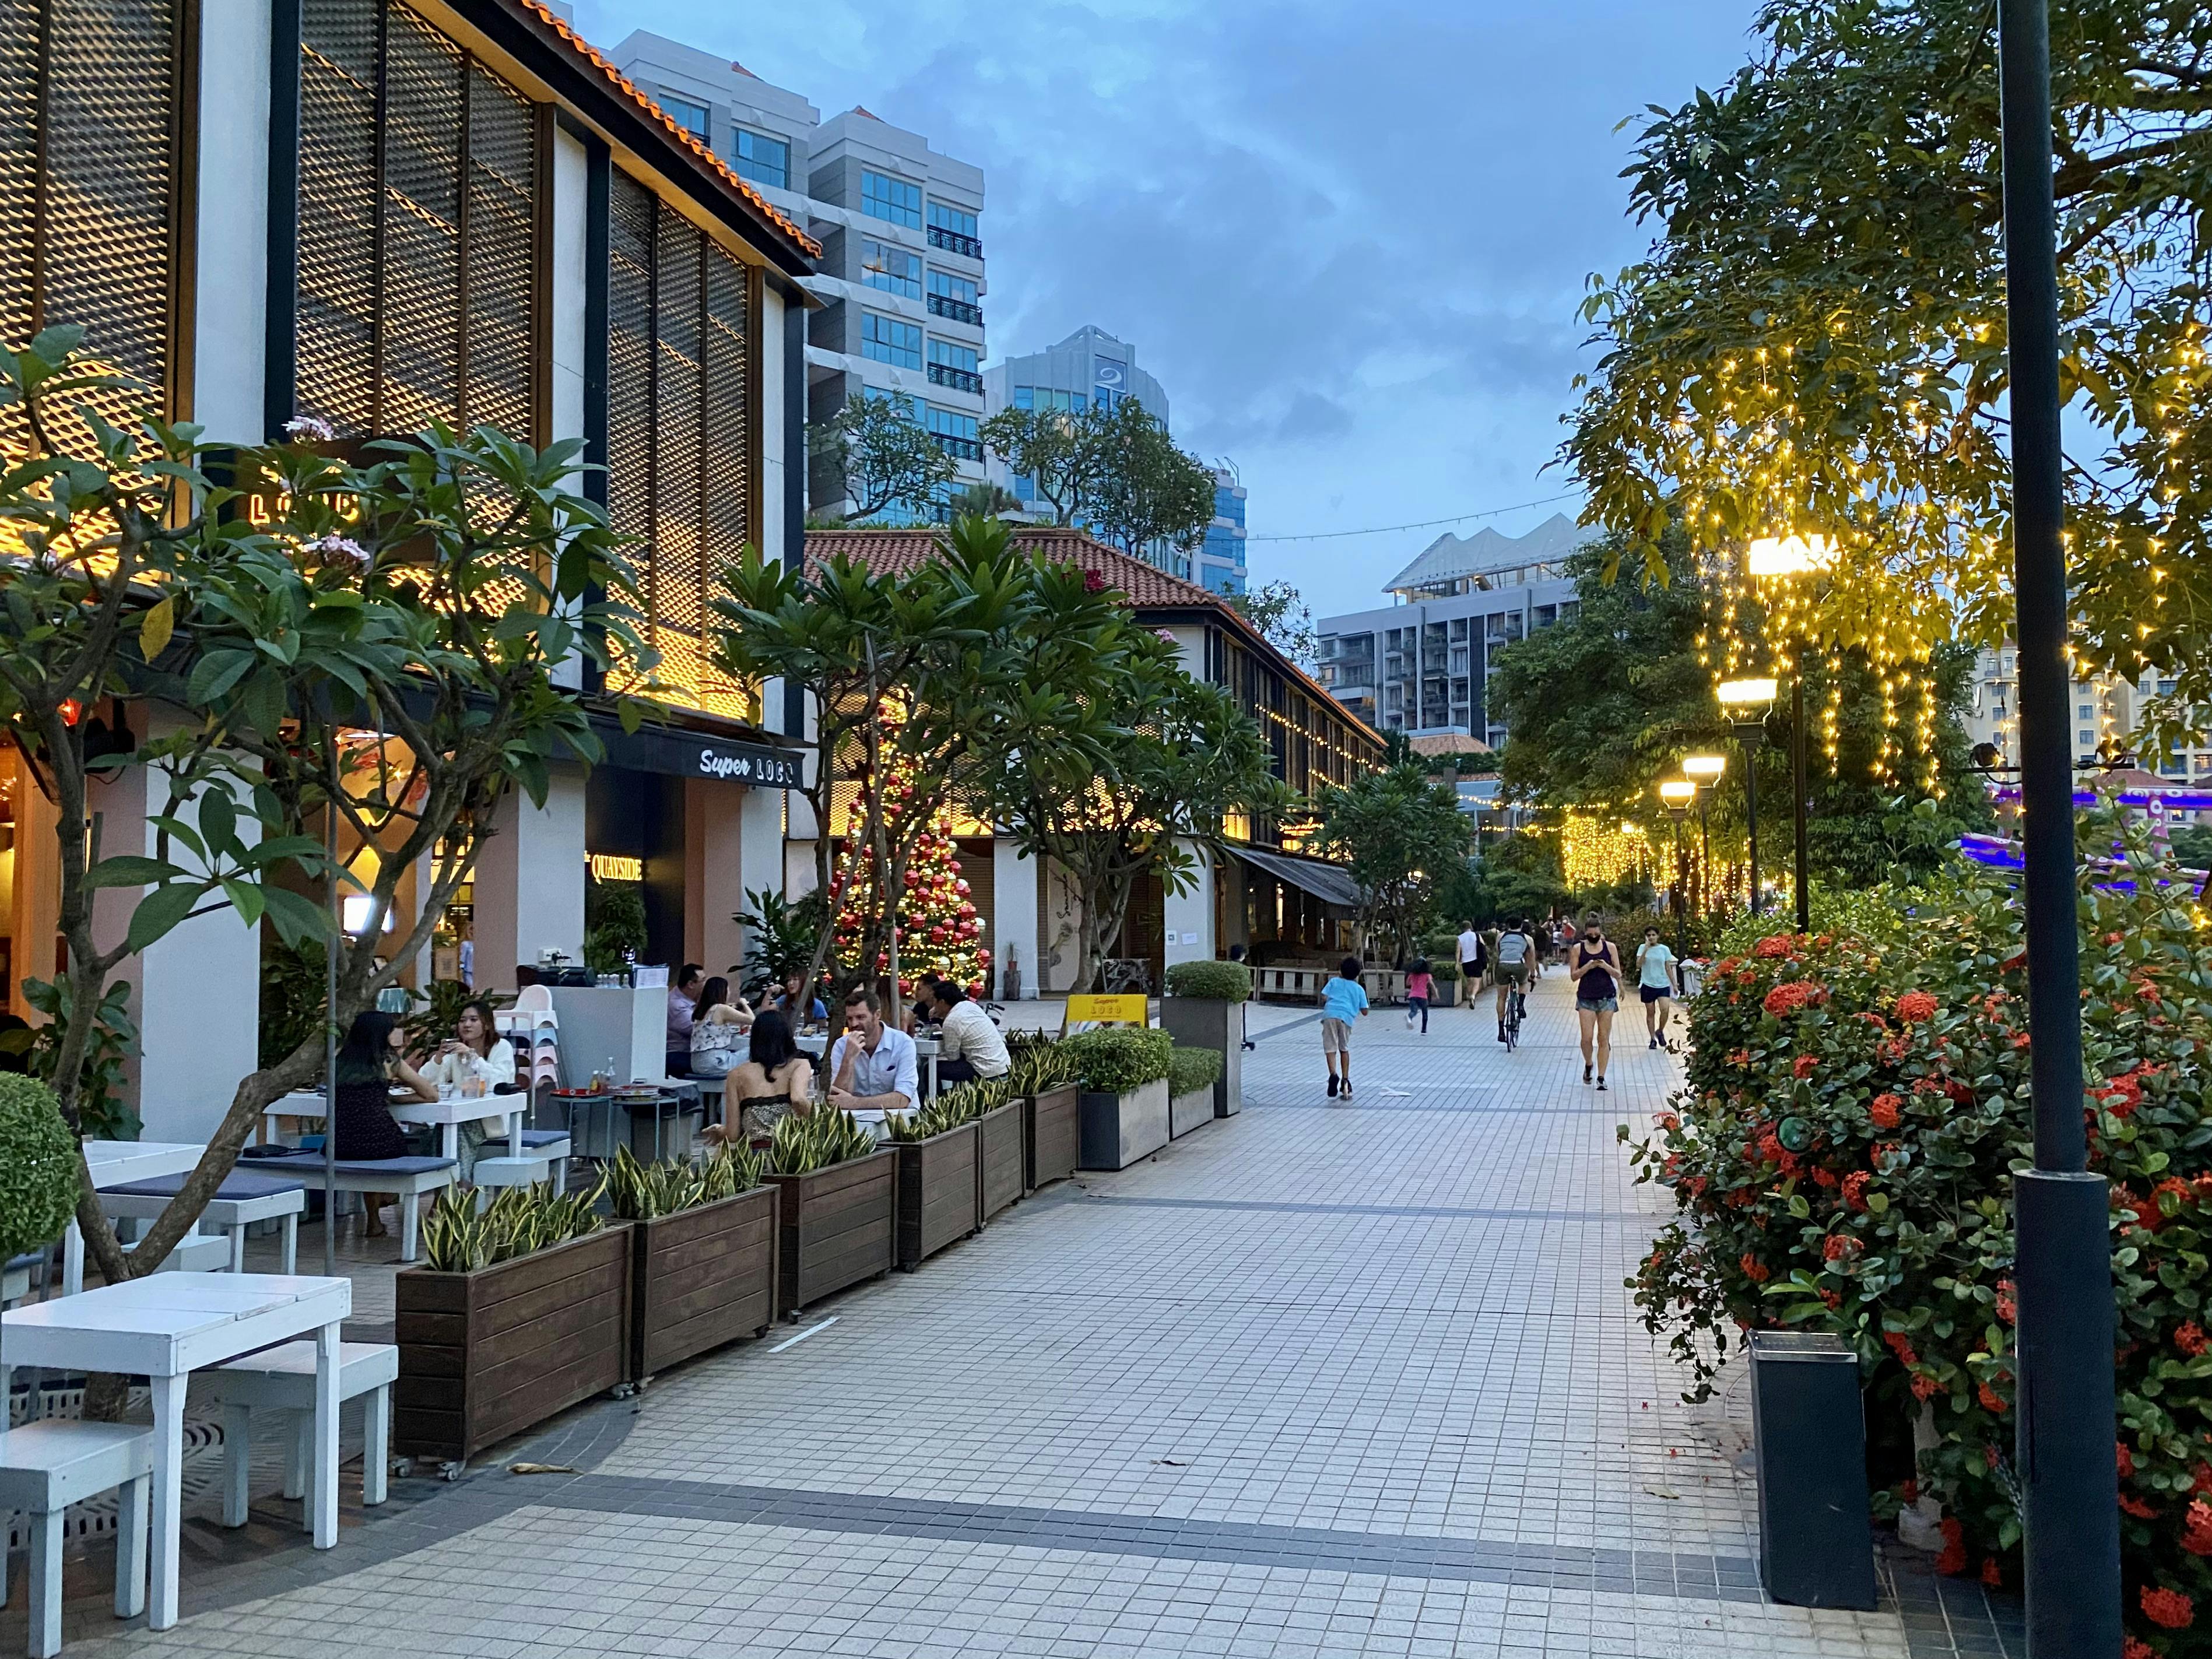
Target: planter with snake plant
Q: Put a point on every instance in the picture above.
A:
(937, 1155)
(702, 1256)
(837, 1208)
(1043, 1076)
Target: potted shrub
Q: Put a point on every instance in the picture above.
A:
(518, 1311)
(702, 1253)
(836, 1218)
(1204, 1008)
(1043, 1076)
(937, 1180)
(1123, 1074)
(1192, 1073)
(1446, 974)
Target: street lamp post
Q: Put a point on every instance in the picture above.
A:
(1740, 698)
(1705, 771)
(1782, 557)
(1678, 793)
(2063, 1266)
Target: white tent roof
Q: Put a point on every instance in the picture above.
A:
(1449, 558)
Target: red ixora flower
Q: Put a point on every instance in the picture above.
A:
(2125, 1459)
(1886, 1110)
(1915, 1005)
(1855, 1185)
(1925, 1386)
(2189, 1337)
(1837, 1246)
(1954, 1558)
(1803, 1066)
(2134, 1647)
(1773, 945)
(1992, 1575)
(2131, 1504)
(2168, 1609)
(1901, 1345)
(2196, 1533)
(1754, 1269)
(1784, 1001)
(1990, 1399)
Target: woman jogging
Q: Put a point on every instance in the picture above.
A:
(1655, 983)
(1593, 967)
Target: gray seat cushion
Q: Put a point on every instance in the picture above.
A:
(311, 1164)
(239, 1183)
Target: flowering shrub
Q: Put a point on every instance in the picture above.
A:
(1842, 1157)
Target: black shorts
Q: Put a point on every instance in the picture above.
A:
(1654, 993)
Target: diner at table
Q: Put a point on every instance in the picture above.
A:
(968, 1043)
(683, 998)
(873, 1066)
(775, 1081)
(475, 1061)
(791, 999)
(719, 1025)
(371, 1061)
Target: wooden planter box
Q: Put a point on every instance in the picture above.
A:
(1052, 1136)
(937, 1183)
(1120, 1129)
(1210, 1022)
(834, 1227)
(1190, 1111)
(1001, 1170)
(483, 1356)
(702, 1278)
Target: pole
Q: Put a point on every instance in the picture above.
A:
(1704, 854)
(2069, 1483)
(1749, 733)
(1798, 804)
(330, 1050)
(1682, 892)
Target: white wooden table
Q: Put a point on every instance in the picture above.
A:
(447, 1115)
(925, 1049)
(167, 1326)
(114, 1163)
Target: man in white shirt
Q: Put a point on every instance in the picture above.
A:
(872, 1067)
(968, 1045)
(1470, 960)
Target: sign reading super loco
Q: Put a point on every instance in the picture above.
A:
(678, 752)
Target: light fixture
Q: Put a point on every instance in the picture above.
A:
(1678, 793)
(1790, 556)
(1746, 694)
(356, 910)
(1704, 770)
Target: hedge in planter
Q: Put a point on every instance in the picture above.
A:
(702, 1253)
(837, 1210)
(1043, 1076)
(938, 1179)
(1205, 1009)
(1842, 1161)
(1192, 1073)
(1210, 982)
(519, 1311)
(1123, 1074)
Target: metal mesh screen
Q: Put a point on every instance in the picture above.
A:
(503, 254)
(335, 326)
(421, 316)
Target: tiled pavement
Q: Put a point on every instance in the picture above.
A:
(1320, 1379)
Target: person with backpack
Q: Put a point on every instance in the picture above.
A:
(1514, 966)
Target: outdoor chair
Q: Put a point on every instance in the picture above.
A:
(47, 1466)
(409, 1177)
(283, 1378)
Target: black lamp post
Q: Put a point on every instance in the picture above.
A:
(1705, 771)
(1678, 793)
(1740, 698)
(2068, 1481)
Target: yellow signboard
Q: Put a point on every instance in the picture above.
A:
(1085, 1012)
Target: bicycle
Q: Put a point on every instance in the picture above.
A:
(1517, 1005)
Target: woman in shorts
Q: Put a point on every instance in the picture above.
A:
(1594, 966)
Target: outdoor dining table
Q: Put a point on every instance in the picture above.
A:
(445, 1115)
(117, 1164)
(164, 1327)
(924, 1049)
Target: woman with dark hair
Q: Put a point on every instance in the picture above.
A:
(776, 1082)
(474, 1060)
(718, 1022)
(371, 1060)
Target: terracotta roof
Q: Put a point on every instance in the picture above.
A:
(683, 135)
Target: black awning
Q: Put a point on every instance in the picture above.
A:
(685, 752)
(1332, 883)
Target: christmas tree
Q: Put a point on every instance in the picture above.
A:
(938, 928)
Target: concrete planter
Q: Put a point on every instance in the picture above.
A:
(1190, 1111)
(1120, 1129)
(1204, 1023)
(1447, 994)
(1050, 1136)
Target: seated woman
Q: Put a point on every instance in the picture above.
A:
(775, 1082)
(371, 1060)
(718, 1022)
(475, 1054)
(793, 1001)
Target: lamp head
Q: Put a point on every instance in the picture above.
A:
(1704, 770)
(1790, 556)
(1742, 696)
(1678, 793)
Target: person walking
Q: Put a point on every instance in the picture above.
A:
(1594, 968)
(1655, 972)
(1420, 985)
(1471, 959)
(1514, 964)
(1343, 1001)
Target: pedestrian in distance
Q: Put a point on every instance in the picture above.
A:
(1471, 957)
(1243, 1025)
(1343, 1001)
(1420, 987)
(1594, 966)
(1655, 978)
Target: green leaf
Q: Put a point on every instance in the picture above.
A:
(160, 911)
(129, 870)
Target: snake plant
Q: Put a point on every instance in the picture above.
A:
(458, 1238)
(825, 1136)
(642, 1192)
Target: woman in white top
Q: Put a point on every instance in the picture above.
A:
(475, 1054)
(720, 1023)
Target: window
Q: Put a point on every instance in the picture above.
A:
(2088, 712)
(890, 268)
(693, 117)
(1045, 397)
(954, 297)
(956, 434)
(763, 160)
(958, 220)
(952, 355)
(952, 287)
(885, 197)
(887, 340)
(954, 365)
(2088, 739)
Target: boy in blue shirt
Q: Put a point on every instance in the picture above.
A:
(1343, 1001)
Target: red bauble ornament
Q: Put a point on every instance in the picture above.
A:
(937, 934)
(966, 911)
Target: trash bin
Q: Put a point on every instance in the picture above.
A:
(1808, 1436)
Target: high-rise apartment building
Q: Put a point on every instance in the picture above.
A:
(1419, 665)
(1221, 560)
(901, 278)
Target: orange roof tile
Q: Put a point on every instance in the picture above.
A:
(684, 135)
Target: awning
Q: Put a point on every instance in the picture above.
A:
(1332, 883)
(686, 752)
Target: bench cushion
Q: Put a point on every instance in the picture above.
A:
(311, 1164)
(535, 1137)
(238, 1184)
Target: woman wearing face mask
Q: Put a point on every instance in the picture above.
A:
(1593, 967)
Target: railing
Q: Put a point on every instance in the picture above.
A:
(964, 449)
(962, 380)
(953, 242)
(958, 310)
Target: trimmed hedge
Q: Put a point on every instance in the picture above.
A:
(1216, 981)
(37, 1166)
(1190, 1070)
(1444, 973)
(1120, 1058)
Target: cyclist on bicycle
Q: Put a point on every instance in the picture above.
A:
(1514, 962)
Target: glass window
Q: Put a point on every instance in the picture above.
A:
(950, 423)
(958, 220)
(947, 285)
(887, 340)
(763, 160)
(1045, 397)
(890, 268)
(685, 112)
(885, 197)
(951, 355)
(1024, 396)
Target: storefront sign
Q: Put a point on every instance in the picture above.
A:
(674, 750)
(615, 867)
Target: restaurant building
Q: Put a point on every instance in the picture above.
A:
(1264, 893)
(378, 213)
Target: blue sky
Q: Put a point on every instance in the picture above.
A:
(1349, 239)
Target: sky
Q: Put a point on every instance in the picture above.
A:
(1349, 239)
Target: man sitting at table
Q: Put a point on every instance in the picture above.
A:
(968, 1045)
(872, 1067)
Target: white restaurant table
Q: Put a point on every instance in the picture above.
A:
(164, 1327)
(447, 1115)
(116, 1163)
(925, 1049)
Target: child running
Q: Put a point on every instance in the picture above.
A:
(1343, 1001)
(1419, 987)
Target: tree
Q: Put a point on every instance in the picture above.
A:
(1817, 340)
(882, 456)
(1278, 610)
(1151, 494)
(1397, 831)
(1057, 450)
(983, 501)
(375, 663)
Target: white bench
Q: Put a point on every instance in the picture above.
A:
(44, 1467)
(283, 1379)
(245, 1197)
(195, 1252)
(409, 1177)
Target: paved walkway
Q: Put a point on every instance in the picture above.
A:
(1320, 1379)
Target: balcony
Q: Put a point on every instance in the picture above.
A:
(953, 242)
(961, 449)
(960, 380)
(958, 310)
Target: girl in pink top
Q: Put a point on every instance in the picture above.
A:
(1419, 987)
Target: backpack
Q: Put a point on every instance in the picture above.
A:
(1512, 949)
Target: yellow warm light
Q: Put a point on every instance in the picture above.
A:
(1790, 556)
(1678, 791)
(1745, 694)
(1703, 769)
